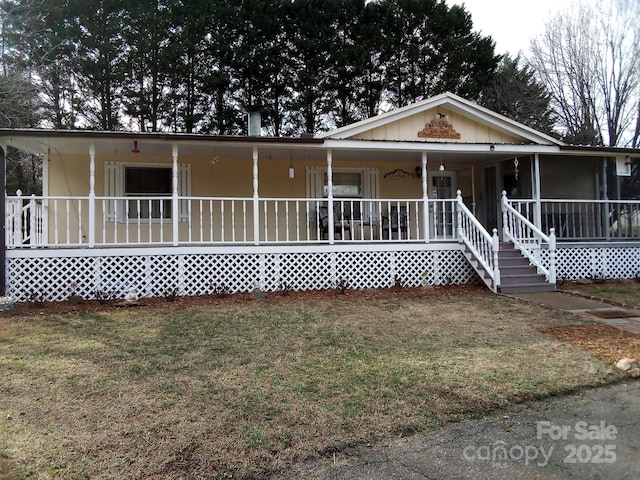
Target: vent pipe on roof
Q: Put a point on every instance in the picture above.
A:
(255, 121)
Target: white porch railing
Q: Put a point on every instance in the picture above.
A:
(529, 239)
(481, 246)
(585, 219)
(122, 221)
(24, 220)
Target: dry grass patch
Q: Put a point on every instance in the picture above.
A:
(244, 389)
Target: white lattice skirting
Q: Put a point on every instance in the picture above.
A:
(598, 262)
(54, 276)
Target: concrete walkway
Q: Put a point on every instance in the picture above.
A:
(628, 318)
(591, 434)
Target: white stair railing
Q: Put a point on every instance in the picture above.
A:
(482, 246)
(529, 239)
(24, 221)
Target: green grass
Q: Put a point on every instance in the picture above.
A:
(621, 291)
(244, 389)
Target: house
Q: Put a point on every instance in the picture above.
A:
(440, 192)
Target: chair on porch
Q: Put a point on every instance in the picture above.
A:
(398, 222)
(340, 224)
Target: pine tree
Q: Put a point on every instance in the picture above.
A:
(100, 64)
(516, 93)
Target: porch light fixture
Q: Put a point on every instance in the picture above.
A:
(292, 171)
(492, 148)
(441, 167)
(135, 147)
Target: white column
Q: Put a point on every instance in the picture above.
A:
(537, 213)
(459, 227)
(92, 195)
(45, 195)
(425, 197)
(256, 199)
(330, 196)
(175, 207)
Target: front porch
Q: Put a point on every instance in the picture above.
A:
(57, 247)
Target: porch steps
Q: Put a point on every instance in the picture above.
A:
(479, 270)
(517, 275)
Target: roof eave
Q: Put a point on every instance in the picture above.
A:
(98, 134)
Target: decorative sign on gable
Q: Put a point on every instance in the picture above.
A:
(438, 128)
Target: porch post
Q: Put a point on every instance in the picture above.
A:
(45, 197)
(459, 229)
(256, 199)
(425, 198)
(330, 196)
(92, 196)
(3, 220)
(605, 194)
(175, 207)
(537, 211)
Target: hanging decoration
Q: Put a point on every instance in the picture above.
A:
(135, 147)
(515, 168)
(399, 173)
(292, 171)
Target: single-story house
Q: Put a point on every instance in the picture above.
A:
(443, 191)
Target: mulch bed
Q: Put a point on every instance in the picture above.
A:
(25, 309)
(604, 341)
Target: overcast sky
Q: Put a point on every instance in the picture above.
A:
(512, 23)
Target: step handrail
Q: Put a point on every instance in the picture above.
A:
(480, 243)
(525, 235)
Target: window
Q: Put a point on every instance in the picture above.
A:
(345, 185)
(349, 186)
(123, 180)
(148, 182)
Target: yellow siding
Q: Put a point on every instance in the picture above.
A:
(407, 130)
(234, 178)
(225, 178)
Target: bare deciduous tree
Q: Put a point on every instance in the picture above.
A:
(589, 60)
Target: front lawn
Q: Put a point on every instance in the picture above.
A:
(245, 388)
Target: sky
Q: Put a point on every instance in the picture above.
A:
(512, 23)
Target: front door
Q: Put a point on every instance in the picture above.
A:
(491, 205)
(442, 186)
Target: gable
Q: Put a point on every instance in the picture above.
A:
(439, 125)
(444, 118)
